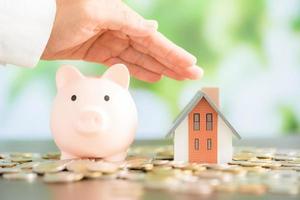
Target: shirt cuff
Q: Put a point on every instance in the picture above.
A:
(25, 27)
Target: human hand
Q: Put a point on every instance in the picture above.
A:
(109, 32)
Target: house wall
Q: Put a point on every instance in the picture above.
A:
(225, 148)
(181, 142)
(203, 154)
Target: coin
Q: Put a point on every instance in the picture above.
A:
(51, 155)
(9, 170)
(290, 164)
(62, 177)
(253, 171)
(49, 167)
(165, 152)
(7, 163)
(256, 169)
(225, 177)
(23, 154)
(284, 158)
(21, 159)
(20, 176)
(139, 164)
(4, 155)
(104, 167)
(91, 175)
(110, 176)
(243, 156)
(135, 176)
(160, 162)
(164, 157)
(265, 156)
(28, 165)
(179, 164)
(78, 165)
(195, 167)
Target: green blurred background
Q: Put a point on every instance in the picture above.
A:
(250, 49)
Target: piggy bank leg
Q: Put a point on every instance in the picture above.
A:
(65, 156)
(117, 157)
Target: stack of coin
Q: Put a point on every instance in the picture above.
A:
(254, 171)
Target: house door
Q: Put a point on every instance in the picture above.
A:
(203, 133)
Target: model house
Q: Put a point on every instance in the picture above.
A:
(201, 133)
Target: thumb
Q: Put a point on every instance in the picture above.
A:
(130, 22)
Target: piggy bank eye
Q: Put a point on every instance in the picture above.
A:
(106, 98)
(73, 97)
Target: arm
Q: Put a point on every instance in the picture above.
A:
(25, 27)
(110, 32)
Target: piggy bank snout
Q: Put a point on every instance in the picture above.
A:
(91, 121)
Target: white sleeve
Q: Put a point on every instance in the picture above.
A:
(25, 27)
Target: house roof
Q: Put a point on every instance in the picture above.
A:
(190, 106)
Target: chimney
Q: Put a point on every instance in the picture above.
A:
(213, 94)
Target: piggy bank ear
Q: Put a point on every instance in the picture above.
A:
(119, 74)
(67, 74)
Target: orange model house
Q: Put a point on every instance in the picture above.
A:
(201, 133)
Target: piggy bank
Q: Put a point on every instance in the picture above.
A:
(93, 117)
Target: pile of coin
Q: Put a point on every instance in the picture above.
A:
(255, 171)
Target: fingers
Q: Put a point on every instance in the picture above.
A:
(187, 71)
(124, 19)
(136, 71)
(105, 47)
(112, 45)
(143, 60)
(162, 47)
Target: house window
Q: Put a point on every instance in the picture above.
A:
(208, 144)
(209, 121)
(196, 144)
(196, 121)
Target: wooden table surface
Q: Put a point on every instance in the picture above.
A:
(115, 189)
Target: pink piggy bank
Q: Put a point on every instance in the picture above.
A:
(93, 117)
